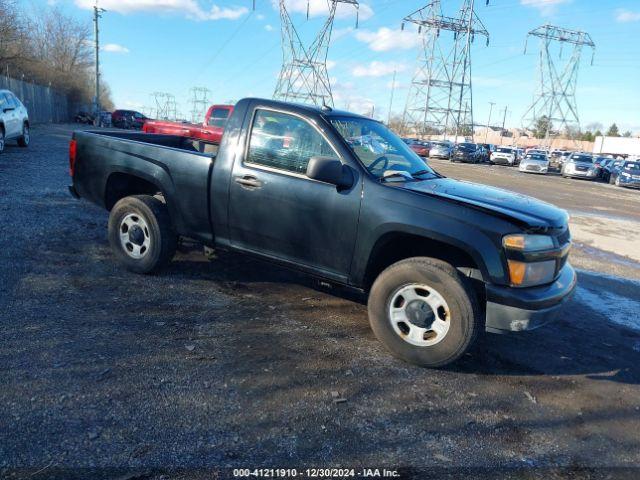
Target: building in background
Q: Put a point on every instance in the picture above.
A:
(627, 146)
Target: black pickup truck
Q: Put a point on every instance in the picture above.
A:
(341, 197)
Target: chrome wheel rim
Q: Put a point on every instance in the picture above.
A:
(135, 237)
(419, 315)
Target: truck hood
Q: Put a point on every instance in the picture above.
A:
(521, 208)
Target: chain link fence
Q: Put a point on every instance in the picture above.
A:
(44, 104)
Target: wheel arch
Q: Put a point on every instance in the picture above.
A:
(121, 184)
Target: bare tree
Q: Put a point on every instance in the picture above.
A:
(53, 49)
(12, 34)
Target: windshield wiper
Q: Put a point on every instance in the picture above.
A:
(422, 172)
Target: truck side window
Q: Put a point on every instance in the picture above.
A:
(286, 142)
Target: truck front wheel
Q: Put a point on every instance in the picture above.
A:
(422, 311)
(141, 234)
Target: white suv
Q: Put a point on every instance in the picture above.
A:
(14, 120)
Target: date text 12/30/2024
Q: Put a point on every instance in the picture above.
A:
(315, 473)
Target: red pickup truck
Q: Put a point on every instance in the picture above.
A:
(210, 130)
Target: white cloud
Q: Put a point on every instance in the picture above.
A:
(189, 8)
(320, 7)
(377, 69)
(331, 64)
(268, 28)
(625, 16)
(545, 7)
(386, 39)
(114, 48)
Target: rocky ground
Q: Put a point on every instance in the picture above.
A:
(237, 363)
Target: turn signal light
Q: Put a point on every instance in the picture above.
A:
(524, 274)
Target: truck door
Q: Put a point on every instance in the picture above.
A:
(275, 209)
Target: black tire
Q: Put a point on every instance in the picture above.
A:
(25, 138)
(156, 227)
(463, 318)
(2, 140)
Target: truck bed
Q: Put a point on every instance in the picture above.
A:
(181, 167)
(171, 141)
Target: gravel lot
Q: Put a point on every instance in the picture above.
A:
(237, 363)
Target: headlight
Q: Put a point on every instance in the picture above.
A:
(528, 243)
(524, 274)
(625, 174)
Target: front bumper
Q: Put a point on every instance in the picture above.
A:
(579, 174)
(517, 309)
(533, 168)
(629, 182)
(503, 161)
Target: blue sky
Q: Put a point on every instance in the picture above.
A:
(173, 45)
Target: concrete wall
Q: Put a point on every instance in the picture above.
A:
(44, 104)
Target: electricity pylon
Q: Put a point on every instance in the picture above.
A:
(440, 98)
(304, 76)
(166, 107)
(199, 103)
(555, 97)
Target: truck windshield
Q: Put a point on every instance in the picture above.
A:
(378, 149)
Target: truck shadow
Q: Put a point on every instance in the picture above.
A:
(583, 342)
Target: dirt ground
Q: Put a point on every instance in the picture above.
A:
(235, 363)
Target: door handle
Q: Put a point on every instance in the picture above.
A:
(248, 181)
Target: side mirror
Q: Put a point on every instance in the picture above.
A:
(330, 170)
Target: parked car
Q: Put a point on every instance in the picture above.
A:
(421, 148)
(467, 152)
(84, 118)
(128, 119)
(14, 120)
(627, 175)
(610, 170)
(580, 165)
(534, 163)
(487, 150)
(440, 150)
(210, 130)
(437, 258)
(505, 156)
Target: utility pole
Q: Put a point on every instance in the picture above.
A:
(97, 14)
(486, 132)
(393, 87)
(504, 120)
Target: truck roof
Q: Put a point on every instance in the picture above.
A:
(325, 111)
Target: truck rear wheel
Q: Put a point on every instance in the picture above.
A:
(141, 234)
(422, 311)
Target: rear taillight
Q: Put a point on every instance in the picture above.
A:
(73, 150)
